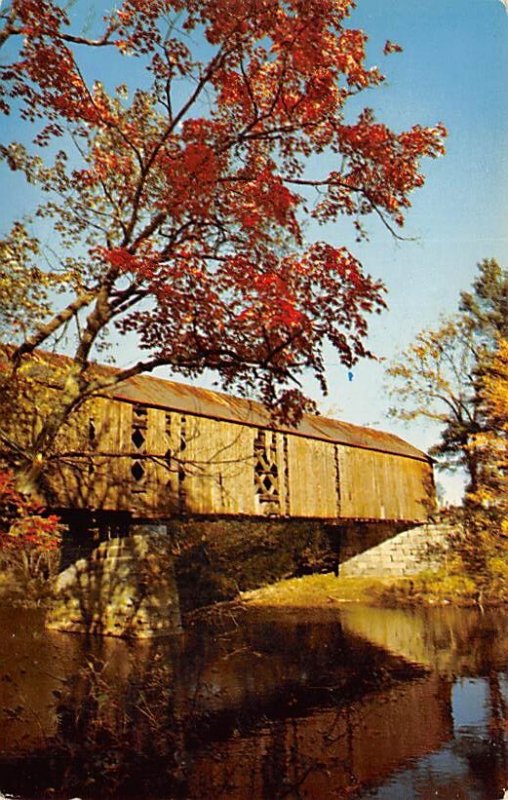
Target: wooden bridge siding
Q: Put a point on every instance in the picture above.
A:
(419, 480)
(360, 495)
(157, 493)
(219, 475)
(407, 485)
(161, 476)
(312, 478)
(219, 478)
(100, 477)
(87, 479)
(378, 485)
(110, 484)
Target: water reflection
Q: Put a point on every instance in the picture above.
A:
(363, 703)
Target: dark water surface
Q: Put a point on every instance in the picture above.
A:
(351, 703)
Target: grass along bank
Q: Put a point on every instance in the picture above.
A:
(320, 590)
(464, 579)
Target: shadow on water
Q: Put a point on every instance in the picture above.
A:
(358, 703)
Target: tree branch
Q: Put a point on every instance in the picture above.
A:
(45, 331)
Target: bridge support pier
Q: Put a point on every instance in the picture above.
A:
(125, 588)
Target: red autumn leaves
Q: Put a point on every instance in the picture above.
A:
(193, 184)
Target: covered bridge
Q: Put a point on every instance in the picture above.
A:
(213, 499)
(157, 449)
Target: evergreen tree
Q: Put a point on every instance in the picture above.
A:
(485, 309)
(441, 374)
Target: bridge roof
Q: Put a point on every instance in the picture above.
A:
(186, 399)
(152, 391)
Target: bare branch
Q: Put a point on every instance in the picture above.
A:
(45, 331)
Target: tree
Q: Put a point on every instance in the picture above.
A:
(180, 215)
(485, 309)
(491, 445)
(440, 376)
(433, 379)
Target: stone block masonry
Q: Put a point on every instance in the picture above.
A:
(408, 553)
(125, 588)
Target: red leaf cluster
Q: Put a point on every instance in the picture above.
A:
(23, 521)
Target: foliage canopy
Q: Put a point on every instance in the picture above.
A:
(176, 201)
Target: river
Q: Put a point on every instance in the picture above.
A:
(345, 702)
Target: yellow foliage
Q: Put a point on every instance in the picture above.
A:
(498, 567)
(492, 444)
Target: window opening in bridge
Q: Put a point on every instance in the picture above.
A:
(138, 471)
(266, 471)
(139, 425)
(138, 439)
(183, 434)
(140, 414)
(92, 432)
(338, 487)
(168, 455)
(92, 444)
(182, 475)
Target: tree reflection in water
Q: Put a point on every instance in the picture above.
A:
(267, 705)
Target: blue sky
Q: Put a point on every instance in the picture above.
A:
(454, 69)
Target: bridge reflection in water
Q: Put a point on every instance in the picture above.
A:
(362, 703)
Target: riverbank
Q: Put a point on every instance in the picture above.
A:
(471, 571)
(429, 588)
(319, 591)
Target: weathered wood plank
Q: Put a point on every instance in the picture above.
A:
(218, 466)
(383, 486)
(312, 478)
